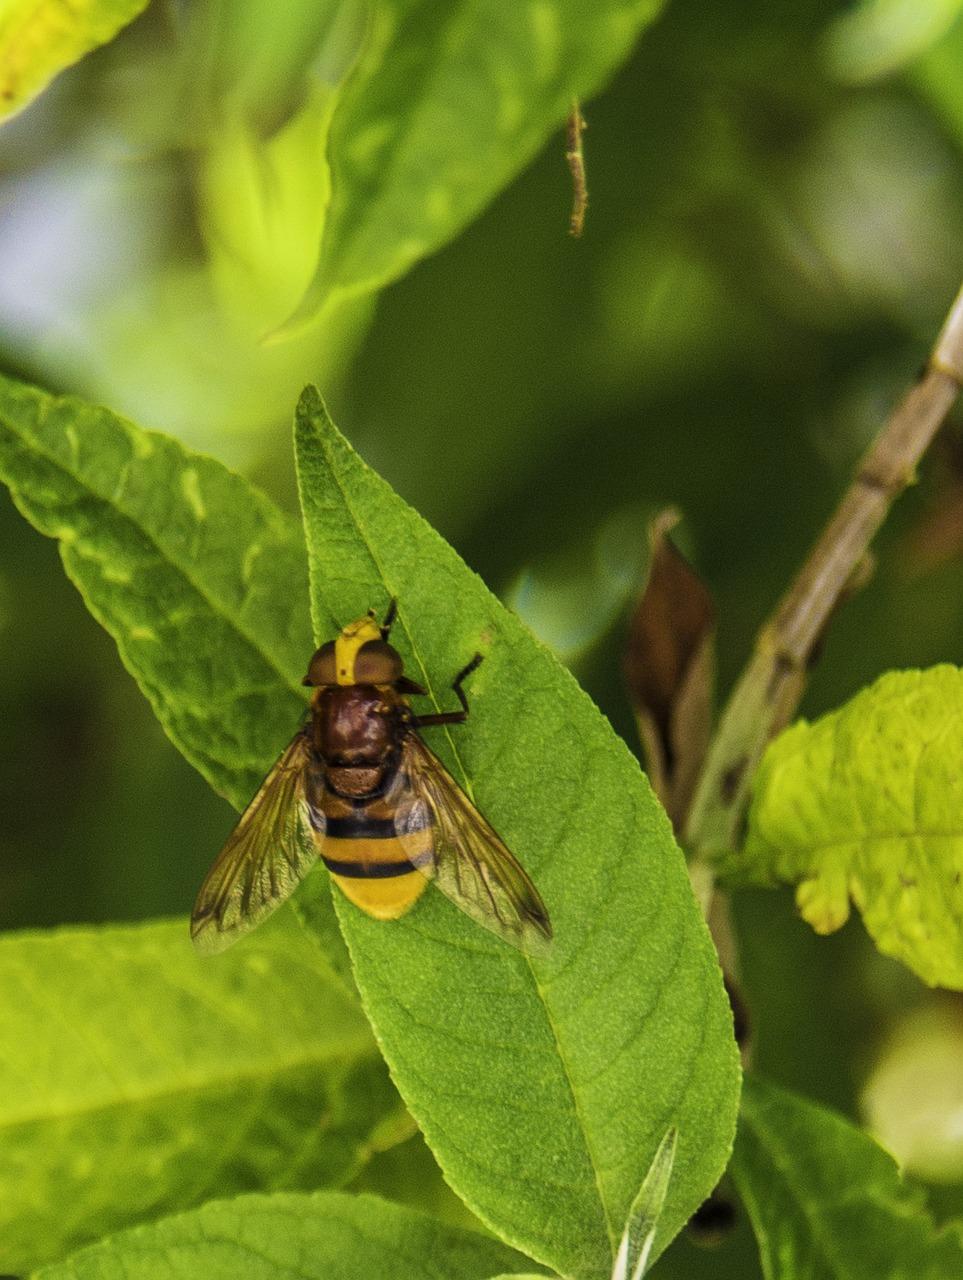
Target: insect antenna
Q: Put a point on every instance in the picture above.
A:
(389, 618)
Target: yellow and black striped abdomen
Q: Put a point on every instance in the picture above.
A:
(375, 869)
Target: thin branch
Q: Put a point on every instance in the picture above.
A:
(769, 689)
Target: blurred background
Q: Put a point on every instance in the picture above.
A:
(775, 231)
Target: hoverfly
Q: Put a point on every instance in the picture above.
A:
(358, 787)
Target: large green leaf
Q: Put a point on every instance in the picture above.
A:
(325, 1236)
(867, 803)
(197, 576)
(544, 1086)
(38, 38)
(446, 104)
(826, 1202)
(136, 1079)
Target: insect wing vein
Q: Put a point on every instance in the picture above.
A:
(265, 857)
(471, 864)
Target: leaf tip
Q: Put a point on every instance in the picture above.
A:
(310, 404)
(311, 421)
(823, 902)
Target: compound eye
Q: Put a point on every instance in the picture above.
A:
(321, 667)
(377, 663)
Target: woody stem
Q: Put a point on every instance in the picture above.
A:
(769, 689)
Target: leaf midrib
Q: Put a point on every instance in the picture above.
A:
(355, 1049)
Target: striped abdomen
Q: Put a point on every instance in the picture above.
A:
(373, 867)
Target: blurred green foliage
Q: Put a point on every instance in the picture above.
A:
(826, 1200)
(772, 239)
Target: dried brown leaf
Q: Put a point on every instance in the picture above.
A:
(669, 668)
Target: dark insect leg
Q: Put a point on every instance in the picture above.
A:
(443, 717)
(454, 717)
(389, 618)
(463, 675)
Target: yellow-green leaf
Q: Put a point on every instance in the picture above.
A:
(325, 1236)
(38, 38)
(866, 805)
(199, 578)
(137, 1079)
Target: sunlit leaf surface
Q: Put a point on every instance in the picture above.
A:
(198, 577)
(325, 1236)
(867, 804)
(38, 38)
(137, 1079)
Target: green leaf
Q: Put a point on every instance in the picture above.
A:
(262, 92)
(198, 577)
(826, 1202)
(543, 1086)
(136, 1079)
(39, 38)
(867, 803)
(325, 1236)
(446, 104)
(936, 76)
(874, 38)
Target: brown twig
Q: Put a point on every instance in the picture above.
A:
(576, 163)
(769, 689)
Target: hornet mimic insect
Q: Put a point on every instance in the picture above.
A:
(358, 787)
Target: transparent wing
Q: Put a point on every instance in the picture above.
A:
(470, 863)
(266, 855)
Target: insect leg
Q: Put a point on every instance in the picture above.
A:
(454, 717)
(463, 675)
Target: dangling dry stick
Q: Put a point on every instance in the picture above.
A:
(576, 163)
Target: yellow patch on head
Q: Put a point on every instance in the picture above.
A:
(346, 646)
